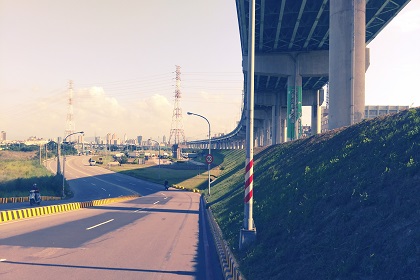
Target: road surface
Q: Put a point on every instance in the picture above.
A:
(156, 236)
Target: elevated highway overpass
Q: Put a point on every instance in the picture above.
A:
(300, 46)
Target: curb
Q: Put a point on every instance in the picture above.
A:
(228, 263)
(183, 188)
(10, 215)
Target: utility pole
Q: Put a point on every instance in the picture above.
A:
(58, 155)
(69, 121)
(177, 130)
(248, 233)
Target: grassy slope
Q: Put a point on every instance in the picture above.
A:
(18, 172)
(341, 205)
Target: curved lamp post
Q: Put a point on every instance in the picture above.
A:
(64, 156)
(189, 113)
(159, 153)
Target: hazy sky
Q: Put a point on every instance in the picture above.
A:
(121, 57)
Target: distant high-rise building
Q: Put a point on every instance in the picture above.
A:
(3, 136)
(139, 139)
(164, 139)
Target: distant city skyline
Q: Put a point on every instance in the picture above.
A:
(121, 58)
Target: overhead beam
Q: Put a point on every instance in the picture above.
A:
(276, 41)
(321, 10)
(262, 14)
(302, 7)
(243, 30)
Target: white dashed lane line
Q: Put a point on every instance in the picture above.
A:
(89, 228)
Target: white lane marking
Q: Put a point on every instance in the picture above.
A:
(138, 210)
(93, 184)
(104, 189)
(156, 202)
(149, 189)
(108, 172)
(89, 228)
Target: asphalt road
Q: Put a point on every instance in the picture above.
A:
(156, 236)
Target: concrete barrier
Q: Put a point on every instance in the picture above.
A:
(227, 261)
(10, 215)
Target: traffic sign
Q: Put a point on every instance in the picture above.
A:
(209, 158)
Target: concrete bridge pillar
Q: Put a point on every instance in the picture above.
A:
(267, 131)
(294, 104)
(316, 114)
(347, 62)
(276, 121)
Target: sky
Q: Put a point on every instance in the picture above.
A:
(121, 58)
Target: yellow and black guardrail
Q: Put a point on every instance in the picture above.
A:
(10, 215)
(26, 199)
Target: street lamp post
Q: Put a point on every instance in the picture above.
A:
(159, 154)
(64, 156)
(189, 113)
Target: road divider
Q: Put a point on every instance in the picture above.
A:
(25, 199)
(10, 215)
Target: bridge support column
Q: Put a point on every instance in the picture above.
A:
(273, 125)
(316, 114)
(294, 105)
(347, 62)
(267, 131)
(276, 110)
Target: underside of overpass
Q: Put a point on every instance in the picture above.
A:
(300, 45)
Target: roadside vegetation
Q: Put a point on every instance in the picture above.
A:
(190, 174)
(19, 170)
(341, 205)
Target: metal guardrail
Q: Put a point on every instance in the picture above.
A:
(26, 199)
(10, 215)
(227, 261)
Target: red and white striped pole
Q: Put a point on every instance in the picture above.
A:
(248, 232)
(249, 186)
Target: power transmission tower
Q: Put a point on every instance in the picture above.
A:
(70, 127)
(177, 130)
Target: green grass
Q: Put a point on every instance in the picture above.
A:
(20, 170)
(341, 205)
(183, 173)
